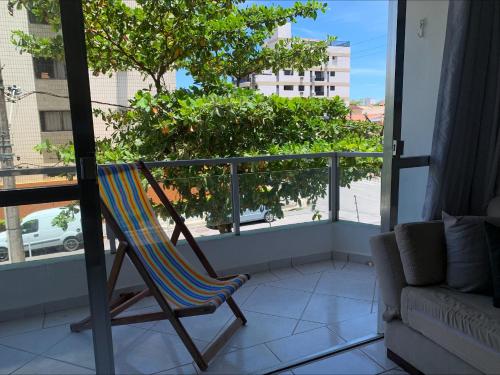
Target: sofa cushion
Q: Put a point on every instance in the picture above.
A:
(423, 252)
(466, 325)
(468, 264)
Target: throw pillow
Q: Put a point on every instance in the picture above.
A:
(468, 264)
(423, 252)
(493, 239)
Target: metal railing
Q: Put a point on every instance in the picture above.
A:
(233, 162)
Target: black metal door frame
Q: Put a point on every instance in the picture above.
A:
(72, 22)
(86, 191)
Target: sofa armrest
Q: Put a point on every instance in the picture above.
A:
(390, 273)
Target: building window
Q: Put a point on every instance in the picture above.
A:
(301, 73)
(319, 76)
(288, 88)
(319, 90)
(332, 88)
(55, 121)
(301, 88)
(288, 72)
(332, 74)
(334, 58)
(49, 69)
(33, 19)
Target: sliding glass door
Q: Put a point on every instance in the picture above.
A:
(50, 216)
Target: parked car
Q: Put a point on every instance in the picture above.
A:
(249, 216)
(40, 235)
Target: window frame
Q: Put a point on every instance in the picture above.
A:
(53, 72)
(62, 124)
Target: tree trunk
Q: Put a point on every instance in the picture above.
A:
(12, 221)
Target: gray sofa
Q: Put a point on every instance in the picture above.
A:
(434, 329)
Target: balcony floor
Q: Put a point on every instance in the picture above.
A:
(291, 312)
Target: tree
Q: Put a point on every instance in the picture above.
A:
(192, 124)
(211, 39)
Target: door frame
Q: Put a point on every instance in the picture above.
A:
(86, 190)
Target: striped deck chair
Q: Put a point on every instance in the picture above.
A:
(179, 289)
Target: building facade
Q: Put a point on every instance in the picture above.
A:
(43, 113)
(327, 81)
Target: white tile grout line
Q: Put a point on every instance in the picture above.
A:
(307, 304)
(52, 359)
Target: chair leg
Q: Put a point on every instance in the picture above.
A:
(188, 342)
(236, 310)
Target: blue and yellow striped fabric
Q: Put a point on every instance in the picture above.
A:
(122, 193)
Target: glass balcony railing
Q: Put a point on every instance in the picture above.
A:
(231, 195)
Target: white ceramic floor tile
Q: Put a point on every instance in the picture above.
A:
(305, 326)
(145, 302)
(347, 284)
(261, 328)
(181, 370)
(202, 327)
(378, 352)
(305, 283)
(356, 328)
(352, 362)
(78, 349)
(38, 341)
(12, 359)
(359, 268)
(17, 326)
(42, 365)
(304, 344)
(152, 352)
(307, 268)
(331, 309)
(244, 361)
(286, 272)
(278, 301)
(260, 278)
(242, 294)
(65, 316)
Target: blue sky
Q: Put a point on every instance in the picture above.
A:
(364, 24)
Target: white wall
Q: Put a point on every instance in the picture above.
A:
(422, 70)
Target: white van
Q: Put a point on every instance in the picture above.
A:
(39, 233)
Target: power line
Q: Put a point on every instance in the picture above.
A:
(368, 40)
(371, 48)
(67, 97)
(367, 54)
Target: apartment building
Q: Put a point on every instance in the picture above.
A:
(44, 113)
(327, 81)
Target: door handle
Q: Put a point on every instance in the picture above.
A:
(36, 235)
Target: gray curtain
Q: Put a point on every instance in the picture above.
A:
(466, 145)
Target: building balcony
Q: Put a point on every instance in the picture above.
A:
(312, 286)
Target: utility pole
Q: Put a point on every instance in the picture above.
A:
(12, 222)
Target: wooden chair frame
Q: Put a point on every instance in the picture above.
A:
(124, 301)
